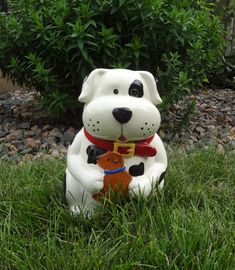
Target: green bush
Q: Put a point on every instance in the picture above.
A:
(52, 45)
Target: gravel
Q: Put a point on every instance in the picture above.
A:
(26, 134)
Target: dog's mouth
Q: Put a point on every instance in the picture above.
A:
(122, 138)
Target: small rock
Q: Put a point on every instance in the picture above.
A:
(176, 138)
(44, 147)
(45, 135)
(24, 125)
(221, 149)
(36, 130)
(26, 151)
(55, 153)
(32, 143)
(63, 151)
(15, 135)
(27, 157)
(69, 136)
(29, 134)
(13, 149)
(161, 134)
(190, 142)
(3, 134)
(47, 128)
(55, 133)
(49, 140)
(3, 139)
(18, 144)
(2, 111)
(200, 130)
(8, 127)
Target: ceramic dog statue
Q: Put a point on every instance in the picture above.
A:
(119, 116)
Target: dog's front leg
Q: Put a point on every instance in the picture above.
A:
(91, 179)
(88, 175)
(144, 184)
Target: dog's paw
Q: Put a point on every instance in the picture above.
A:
(141, 186)
(95, 185)
(93, 152)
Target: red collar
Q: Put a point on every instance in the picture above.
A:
(138, 148)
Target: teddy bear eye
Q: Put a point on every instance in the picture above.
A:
(136, 89)
(115, 91)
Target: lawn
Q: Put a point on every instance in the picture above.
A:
(190, 225)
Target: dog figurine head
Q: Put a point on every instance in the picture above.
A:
(120, 104)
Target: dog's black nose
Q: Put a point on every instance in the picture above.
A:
(122, 115)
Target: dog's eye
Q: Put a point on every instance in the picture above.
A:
(134, 92)
(115, 91)
(136, 89)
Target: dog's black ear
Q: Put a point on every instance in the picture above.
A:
(137, 170)
(93, 152)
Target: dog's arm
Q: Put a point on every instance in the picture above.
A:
(154, 174)
(88, 175)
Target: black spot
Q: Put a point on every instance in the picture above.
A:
(161, 177)
(93, 152)
(136, 89)
(137, 170)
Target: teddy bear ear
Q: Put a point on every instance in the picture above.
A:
(91, 83)
(152, 85)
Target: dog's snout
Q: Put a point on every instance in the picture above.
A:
(122, 114)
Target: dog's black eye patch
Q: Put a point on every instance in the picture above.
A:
(136, 89)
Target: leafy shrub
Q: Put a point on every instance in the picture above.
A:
(52, 45)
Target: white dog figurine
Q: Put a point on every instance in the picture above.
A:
(119, 116)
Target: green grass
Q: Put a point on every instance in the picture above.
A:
(190, 225)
